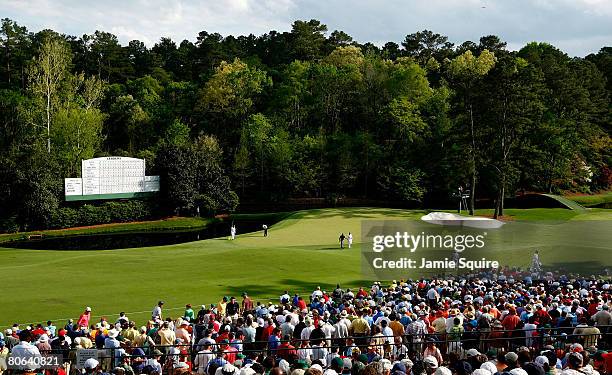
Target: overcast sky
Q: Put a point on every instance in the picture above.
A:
(578, 27)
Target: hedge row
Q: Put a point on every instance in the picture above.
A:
(109, 212)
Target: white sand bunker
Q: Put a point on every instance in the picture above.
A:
(447, 218)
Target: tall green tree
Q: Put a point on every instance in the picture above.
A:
(293, 94)
(17, 50)
(77, 132)
(513, 96)
(46, 77)
(425, 44)
(259, 130)
(308, 39)
(466, 71)
(130, 126)
(230, 95)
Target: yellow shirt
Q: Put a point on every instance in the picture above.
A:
(360, 326)
(167, 336)
(139, 340)
(129, 334)
(221, 308)
(86, 343)
(439, 325)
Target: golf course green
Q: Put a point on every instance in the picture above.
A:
(300, 253)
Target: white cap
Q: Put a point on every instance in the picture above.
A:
(317, 366)
(91, 363)
(431, 361)
(443, 371)
(518, 371)
(489, 366)
(541, 360)
(88, 308)
(386, 364)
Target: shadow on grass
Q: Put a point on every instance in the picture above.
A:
(584, 268)
(355, 212)
(330, 248)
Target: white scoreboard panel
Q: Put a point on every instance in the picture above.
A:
(73, 186)
(111, 176)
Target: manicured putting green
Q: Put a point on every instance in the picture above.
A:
(300, 253)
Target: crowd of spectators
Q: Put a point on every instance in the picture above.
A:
(510, 325)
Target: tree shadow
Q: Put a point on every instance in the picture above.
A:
(586, 267)
(355, 212)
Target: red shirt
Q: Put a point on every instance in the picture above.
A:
(230, 354)
(38, 332)
(608, 362)
(265, 335)
(84, 320)
(593, 308)
(223, 336)
(543, 316)
(286, 350)
(301, 304)
(247, 304)
(510, 322)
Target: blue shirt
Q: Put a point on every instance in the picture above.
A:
(219, 362)
(100, 341)
(405, 320)
(273, 342)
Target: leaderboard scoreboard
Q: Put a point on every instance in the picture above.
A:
(111, 178)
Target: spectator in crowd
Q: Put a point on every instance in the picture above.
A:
(84, 318)
(156, 314)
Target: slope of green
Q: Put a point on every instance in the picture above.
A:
(572, 205)
(300, 253)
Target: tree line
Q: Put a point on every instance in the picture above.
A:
(300, 113)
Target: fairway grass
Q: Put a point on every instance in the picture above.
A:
(593, 199)
(300, 253)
